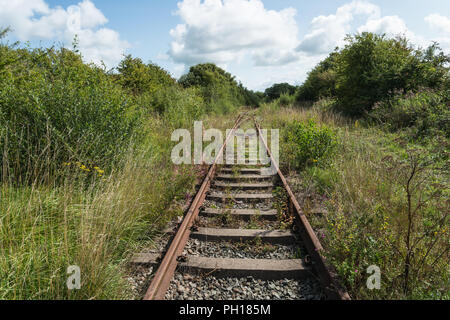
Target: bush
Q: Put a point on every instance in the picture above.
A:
(307, 144)
(321, 81)
(388, 210)
(372, 68)
(177, 106)
(140, 78)
(279, 89)
(425, 113)
(218, 88)
(251, 98)
(286, 100)
(56, 109)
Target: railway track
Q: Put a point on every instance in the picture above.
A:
(243, 237)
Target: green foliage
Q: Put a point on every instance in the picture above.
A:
(286, 100)
(138, 77)
(306, 144)
(54, 109)
(251, 98)
(178, 106)
(386, 204)
(386, 193)
(422, 114)
(277, 90)
(371, 68)
(321, 81)
(388, 211)
(86, 176)
(219, 88)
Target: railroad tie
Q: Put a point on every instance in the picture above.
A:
(236, 227)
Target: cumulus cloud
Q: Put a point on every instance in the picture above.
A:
(441, 24)
(198, 42)
(328, 32)
(34, 19)
(438, 22)
(224, 31)
(390, 25)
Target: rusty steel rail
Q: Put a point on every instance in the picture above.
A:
(161, 281)
(328, 278)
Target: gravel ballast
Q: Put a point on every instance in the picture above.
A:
(209, 286)
(241, 250)
(192, 287)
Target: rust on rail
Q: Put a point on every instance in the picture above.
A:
(328, 278)
(163, 276)
(166, 270)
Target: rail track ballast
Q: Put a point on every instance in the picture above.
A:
(238, 206)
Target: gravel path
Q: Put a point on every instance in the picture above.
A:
(188, 287)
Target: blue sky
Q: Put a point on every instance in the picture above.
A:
(260, 41)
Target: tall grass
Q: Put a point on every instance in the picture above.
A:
(86, 177)
(96, 226)
(386, 203)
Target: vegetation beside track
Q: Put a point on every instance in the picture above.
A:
(86, 177)
(368, 157)
(85, 169)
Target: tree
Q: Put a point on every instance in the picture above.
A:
(219, 88)
(321, 81)
(275, 91)
(372, 68)
(139, 77)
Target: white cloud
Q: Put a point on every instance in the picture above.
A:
(441, 24)
(438, 22)
(394, 26)
(328, 32)
(224, 31)
(294, 73)
(34, 19)
(390, 25)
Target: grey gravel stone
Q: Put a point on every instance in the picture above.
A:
(242, 250)
(244, 288)
(208, 287)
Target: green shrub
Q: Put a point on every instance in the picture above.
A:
(372, 68)
(422, 114)
(286, 100)
(325, 104)
(141, 78)
(279, 89)
(321, 81)
(251, 98)
(307, 144)
(55, 109)
(218, 88)
(179, 107)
